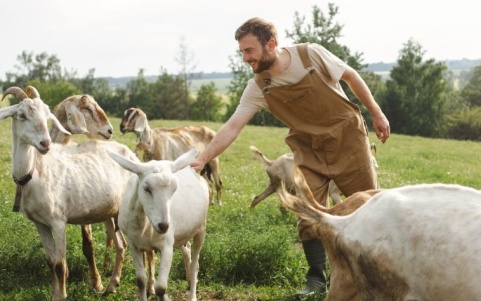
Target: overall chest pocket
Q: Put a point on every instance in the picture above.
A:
(305, 105)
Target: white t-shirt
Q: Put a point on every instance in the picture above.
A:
(329, 66)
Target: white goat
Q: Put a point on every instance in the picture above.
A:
(76, 184)
(280, 170)
(170, 143)
(165, 205)
(80, 114)
(417, 242)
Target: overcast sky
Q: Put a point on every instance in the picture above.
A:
(120, 37)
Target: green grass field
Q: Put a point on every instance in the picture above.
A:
(248, 254)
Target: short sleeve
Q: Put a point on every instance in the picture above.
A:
(252, 100)
(326, 63)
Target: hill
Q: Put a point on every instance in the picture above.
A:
(222, 79)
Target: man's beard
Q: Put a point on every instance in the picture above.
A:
(264, 63)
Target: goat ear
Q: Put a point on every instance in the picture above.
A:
(125, 162)
(184, 160)
(8, 111)
(140, 123)
(58, 124)
(75, 120)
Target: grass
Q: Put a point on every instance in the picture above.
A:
(248, 254)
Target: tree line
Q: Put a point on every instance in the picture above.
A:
(421, 97)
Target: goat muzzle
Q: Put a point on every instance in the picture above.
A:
(162, 227)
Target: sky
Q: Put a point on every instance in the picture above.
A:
(119, 37)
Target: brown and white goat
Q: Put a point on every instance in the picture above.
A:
(80, 114)
(416, 242)
(169, 143)
(280, 171)
(60, 184)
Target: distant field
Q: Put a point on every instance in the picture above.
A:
(220, 83)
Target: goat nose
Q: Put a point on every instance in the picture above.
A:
(163, 227)
(45, 144)
(110, 131)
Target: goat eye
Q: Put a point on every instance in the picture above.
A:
(22, 116)
(147, 189)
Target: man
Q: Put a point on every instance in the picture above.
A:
(328, 136)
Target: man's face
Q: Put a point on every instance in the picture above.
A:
(258, 57)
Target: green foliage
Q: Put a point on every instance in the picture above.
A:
(465, 124)
(325, 31)
(208, 105)
(416, 94)
(41, 67)
(471, 93)
(166, 98)
(53, 93)
(99, 88)
(241, 75)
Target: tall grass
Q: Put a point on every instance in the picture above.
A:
(248, 254)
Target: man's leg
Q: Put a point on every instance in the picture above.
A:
(313, 248)
(316, 275)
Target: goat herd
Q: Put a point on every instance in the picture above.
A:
(417, 242)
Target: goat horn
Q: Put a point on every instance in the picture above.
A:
(30, 90)
(19, 93)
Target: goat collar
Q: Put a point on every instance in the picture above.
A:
(25, 179)
(21, 182)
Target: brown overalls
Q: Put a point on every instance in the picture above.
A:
(328, 134)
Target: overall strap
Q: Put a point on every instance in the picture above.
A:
(263, 79)
(302, 50)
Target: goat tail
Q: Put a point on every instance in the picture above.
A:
(303, 204)
(207, 170)
(373, 149)
(261, 156)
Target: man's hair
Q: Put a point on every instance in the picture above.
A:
(260, 28)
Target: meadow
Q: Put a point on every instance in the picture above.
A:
(249, 254)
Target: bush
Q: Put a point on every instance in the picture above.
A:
(465, 125)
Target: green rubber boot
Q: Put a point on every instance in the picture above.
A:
(316, 275)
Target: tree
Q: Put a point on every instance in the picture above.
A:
(186, 59)
(208, 104)
(169, 98)
(324, 31)
(52, 93)
(41, 67)
(416, 93)
(98, 88)
(471, 93)
(241, 75)
(138, 92)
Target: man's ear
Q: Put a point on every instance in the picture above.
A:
(271, 44)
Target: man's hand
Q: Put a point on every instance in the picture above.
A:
(197, 165)
(381, 127)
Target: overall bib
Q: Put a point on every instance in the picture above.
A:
(329, 139)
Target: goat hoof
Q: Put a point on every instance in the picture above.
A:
(109, 290)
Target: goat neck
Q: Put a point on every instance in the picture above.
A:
(145, 136)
